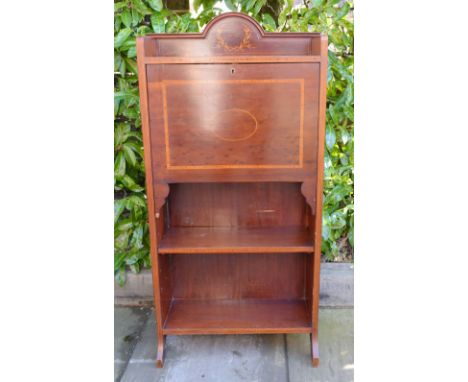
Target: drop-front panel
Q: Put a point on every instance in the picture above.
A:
(233, 117)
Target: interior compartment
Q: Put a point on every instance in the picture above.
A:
(236, 256)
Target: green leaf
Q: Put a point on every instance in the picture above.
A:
(230, 5)
(117, 60)
(337, 220)
(193, 26)
(129, 183)
(197, 4)
(119, 165)
(121, 276)
(250, 4)
(124, 225)
(330, 138)
(125, 96)
(116, 107)
(158, 23)
(121, 133)
(269, 22)
(325, 232)
(119, 260)
(123, 67)
(258, 5)
(131, 260)
(140, 7)
(351, 236)
(121, 241)
(126, 17)
(135, 255)
(136, 147)
(129, 154)
(137, 136)
(131, 53)
(135, 200)
(345, 98)
(343, 11)
(147, 261)
(184, 23)
(122, 37)
(345, 135)
(119, 206)
(135, 268)
(118, 6)
(137, 237)
(157, 5)
(132, 65)
(130, 43)
(136, 17)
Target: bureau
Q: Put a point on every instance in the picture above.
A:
(233, 123)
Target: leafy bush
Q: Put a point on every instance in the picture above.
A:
(139, 17)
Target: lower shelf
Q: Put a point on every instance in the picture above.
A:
(237, 316)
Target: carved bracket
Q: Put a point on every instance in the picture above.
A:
(161, 192)
(307, 190)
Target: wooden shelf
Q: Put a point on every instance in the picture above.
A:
(234, 316)
(236, 240)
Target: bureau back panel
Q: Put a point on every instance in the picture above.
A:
(239, 276)
(236, 205)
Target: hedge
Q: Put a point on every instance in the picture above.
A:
(139, 17)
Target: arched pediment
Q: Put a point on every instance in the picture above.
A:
(233, 34)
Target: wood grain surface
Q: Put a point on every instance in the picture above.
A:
(233, 123)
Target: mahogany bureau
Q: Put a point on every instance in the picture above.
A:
(233, 125)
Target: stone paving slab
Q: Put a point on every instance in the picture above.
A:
(275, 358)
(128, 323)
(337, 285)
(336, 349)
(209, 358)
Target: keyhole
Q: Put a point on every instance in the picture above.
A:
(232, 71)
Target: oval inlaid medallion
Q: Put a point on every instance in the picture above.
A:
(233, 125)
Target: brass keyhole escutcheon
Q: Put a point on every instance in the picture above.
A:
(232, 71)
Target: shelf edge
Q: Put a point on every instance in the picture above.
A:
(220, 250)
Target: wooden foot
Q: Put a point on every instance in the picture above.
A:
(314, 348)
(160, 352)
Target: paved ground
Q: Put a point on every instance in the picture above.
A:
(220, 358)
